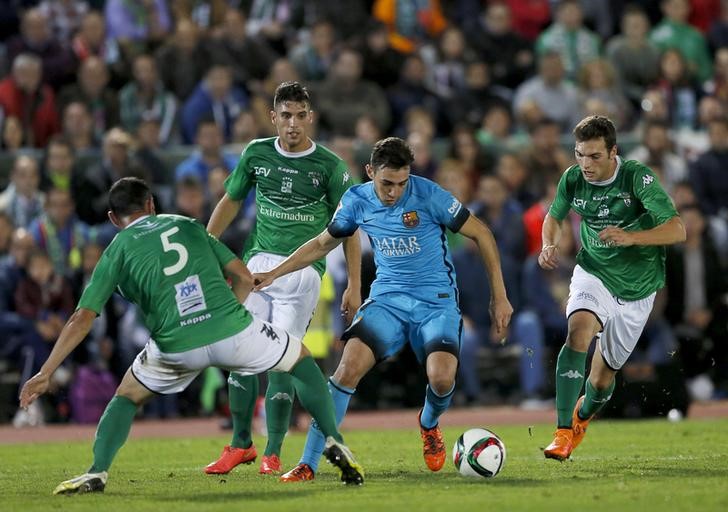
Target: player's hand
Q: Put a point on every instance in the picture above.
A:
(350, 302)
(616, 236)
(500, 314)
(262, 280)
(33, 388)
(549, 257)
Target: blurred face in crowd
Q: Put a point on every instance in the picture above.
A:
(721, 63)
(60, 158)
(709, 108)
(219, 81)
(25, 176)
(12, 136)
(413, 71)
(672, 66)
(654, 106)
(20, 246)
(546, 137)
(377, 40)
(347, 68)
(40, 268)
(551, 69)
(191, 199)
(93, 76)
(77, 121)
(366, 130)
(635, 25)
(282, 71)
(452, 43)
(233, 26)
(27, 73)
(90, 257)
(694, 222)
(292, 120)
(657, 139)
(570, 15)
(148, 133)
(35, 28)
(497, 121)
(59, 207)
(677, 10)
(186, 35)
(93, 29)
(116, 147)
(421, 149)
(322, 38)
(718, 134)
(6, 232)
(597, 164)
(145, 71)
(209, 138)
(512, 171)
(477, 75)
(492, 192)
(245, 127)
(498, 18)
(452, 177)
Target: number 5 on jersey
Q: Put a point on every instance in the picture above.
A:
(180, 249)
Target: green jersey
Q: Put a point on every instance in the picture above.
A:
(296, 194)
(171, 268)
(632, 200)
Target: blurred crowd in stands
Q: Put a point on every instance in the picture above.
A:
(486, 93)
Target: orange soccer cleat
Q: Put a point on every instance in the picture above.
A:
(270, 465)
(433, 446)
(578, 425)
(562, 446)
(231, 457)
(301, 473)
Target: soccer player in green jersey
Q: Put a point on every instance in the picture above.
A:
(626, 220)
(298, 184)
(173, 270)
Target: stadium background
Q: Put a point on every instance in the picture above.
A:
(485, 92)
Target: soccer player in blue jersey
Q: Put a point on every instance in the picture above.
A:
(414, 297)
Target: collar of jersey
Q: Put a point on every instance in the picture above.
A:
(137, 220)
(289, 154)
(610, 180)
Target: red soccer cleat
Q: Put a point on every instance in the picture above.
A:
(231, 457)
(433, 446)
(270, 465)
(301, 473)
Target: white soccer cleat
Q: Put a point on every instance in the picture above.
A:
(88, 482)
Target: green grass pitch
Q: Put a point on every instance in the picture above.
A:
(622, 465)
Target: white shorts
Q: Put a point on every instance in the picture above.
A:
(289, 302)
(258, 348)
(622, 321)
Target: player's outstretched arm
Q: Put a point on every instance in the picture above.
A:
(500, 308)
(550, 236)
(351, 298)
(672, 231)
(225, 211)
(73, 333)
(242, 279)
(313, 250)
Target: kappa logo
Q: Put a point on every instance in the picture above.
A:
(346, 176)
(647, 180)
(282, 396)
(572, 374)
(269, 331)
(410, 219)
(235, 383)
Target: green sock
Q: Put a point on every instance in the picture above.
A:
(112, 431)
(570, 369)
(278, 404)
(315, 396)
(242, 394)
(595, 399)
(212, 381)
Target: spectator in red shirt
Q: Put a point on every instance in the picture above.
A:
(22, 95)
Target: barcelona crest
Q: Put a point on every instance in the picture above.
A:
(410, 219)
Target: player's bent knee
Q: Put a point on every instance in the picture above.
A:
(295, 351)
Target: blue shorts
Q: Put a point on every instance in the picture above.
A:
(387, 322)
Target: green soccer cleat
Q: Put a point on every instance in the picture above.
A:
(341, 457)
(88, 482)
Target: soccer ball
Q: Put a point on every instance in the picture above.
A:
(479, 453)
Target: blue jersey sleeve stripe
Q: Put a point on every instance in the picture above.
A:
(338, 231)
(459, 219)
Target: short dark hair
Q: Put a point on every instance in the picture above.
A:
(291, 91)
(596, 127)
(128, 195)
(391, 152)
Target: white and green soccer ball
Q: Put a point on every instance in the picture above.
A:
(479, 453)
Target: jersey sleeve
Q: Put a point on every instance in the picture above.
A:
(102, 284)
(446, 209)
(648, 190)
(344, 222)
(562, 201)
(238, 184)
(221, 251)
(339, 183)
